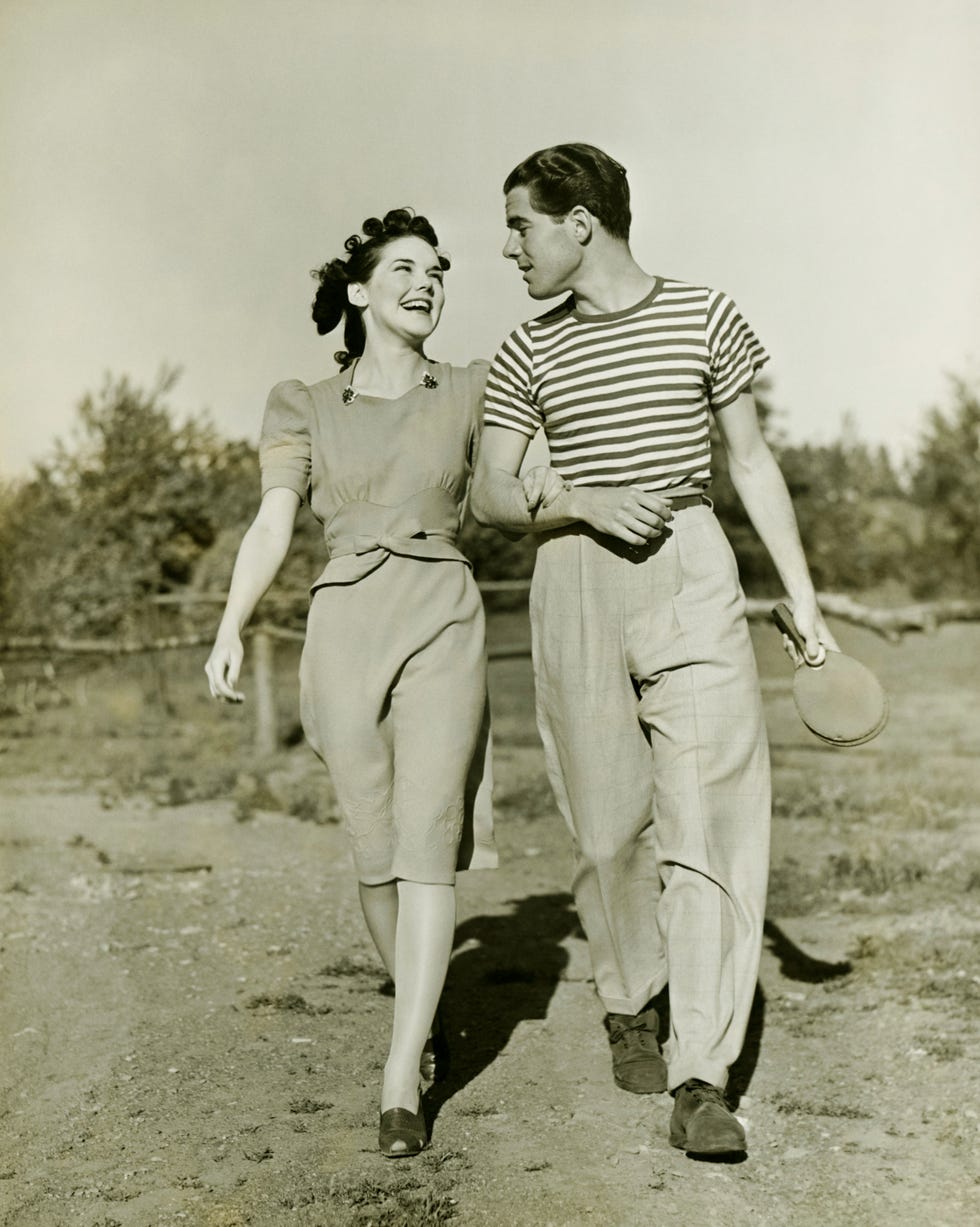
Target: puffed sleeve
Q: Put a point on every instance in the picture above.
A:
(476, 382)
(284, 445)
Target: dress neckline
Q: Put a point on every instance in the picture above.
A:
(350, 393)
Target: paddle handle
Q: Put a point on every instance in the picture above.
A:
(784, 620)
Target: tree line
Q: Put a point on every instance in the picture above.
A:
(139, 502)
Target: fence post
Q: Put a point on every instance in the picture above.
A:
(157, 666)
(266, 739)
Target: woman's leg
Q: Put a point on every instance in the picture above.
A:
(437, 712)
(423, 945)
(380, 907)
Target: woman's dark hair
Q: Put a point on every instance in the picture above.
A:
(559, 178)
(363, 253)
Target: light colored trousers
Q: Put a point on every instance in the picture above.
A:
(650, 712)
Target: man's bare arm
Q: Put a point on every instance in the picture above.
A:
(498, 497)
(501, 499)
(761, 487)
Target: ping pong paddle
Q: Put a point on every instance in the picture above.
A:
(839, 699)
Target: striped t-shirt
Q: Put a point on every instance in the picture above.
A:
(624, 397)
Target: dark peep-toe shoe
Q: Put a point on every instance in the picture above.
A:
(434, 1063)
(402, 1133)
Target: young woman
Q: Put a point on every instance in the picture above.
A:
(393, 671)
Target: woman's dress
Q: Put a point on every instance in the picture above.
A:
(393, 671)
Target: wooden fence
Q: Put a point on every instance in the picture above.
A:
(890, 623)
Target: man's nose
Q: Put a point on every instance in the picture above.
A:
(511, 247)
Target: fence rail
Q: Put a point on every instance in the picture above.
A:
(891, 623)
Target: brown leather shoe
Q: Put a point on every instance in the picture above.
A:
(702, 1122)
(638, 1063)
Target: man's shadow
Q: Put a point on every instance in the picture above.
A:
(795, 964)
(511, 972)
(508, 975)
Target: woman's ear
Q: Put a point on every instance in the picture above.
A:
(356, 294)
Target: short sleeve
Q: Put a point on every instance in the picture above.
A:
(509, 401)
(284, 445)
(735, 352)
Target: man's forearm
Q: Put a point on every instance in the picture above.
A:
(498, 500)
(762, 489)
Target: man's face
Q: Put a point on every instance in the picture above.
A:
(544, 247)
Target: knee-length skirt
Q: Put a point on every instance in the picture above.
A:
(393, 699)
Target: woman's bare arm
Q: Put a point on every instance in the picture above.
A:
(260, 556)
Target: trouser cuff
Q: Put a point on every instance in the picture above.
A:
(634, 1004)
(678, 1072)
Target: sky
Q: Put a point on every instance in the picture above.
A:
(171, 172)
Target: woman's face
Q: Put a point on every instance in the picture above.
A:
(404, 294)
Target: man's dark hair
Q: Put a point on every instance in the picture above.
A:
(559, 178)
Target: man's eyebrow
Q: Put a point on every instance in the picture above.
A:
(515, 219)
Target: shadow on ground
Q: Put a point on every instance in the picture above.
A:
(505, 971)
(794, 964)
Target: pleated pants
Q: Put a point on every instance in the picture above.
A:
(650, 712)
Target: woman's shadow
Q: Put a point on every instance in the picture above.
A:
(506, 970)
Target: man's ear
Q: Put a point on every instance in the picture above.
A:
(581, 224)
(356, 294)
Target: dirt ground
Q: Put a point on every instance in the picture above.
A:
(194, 1022)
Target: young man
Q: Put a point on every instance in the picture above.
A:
(648, 699)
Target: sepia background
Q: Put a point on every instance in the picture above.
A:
(174, 170)
(195, 1019)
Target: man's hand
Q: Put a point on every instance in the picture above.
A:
(542, 485)
(811, 625)
(624, 512)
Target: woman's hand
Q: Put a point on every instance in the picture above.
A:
(260, 556)
(542, 485)
(224, 665)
